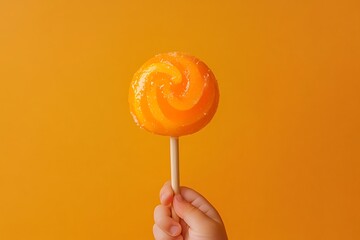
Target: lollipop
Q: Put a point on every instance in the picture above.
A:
(173, 94)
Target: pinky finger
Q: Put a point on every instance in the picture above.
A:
(161, 235)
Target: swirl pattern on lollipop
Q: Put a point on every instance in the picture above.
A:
(173, 94)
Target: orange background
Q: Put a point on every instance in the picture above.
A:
(280, 160)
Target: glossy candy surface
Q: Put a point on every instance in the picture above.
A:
(173, 94)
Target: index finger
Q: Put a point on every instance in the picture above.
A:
(166, 194)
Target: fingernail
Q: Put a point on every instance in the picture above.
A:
(164, 196)
(174, 230)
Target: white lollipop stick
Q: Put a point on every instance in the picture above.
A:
(174, 160)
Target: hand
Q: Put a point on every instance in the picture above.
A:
(198, 218)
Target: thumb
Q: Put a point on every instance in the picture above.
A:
(192, 215)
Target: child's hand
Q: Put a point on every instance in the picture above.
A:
(198, 219)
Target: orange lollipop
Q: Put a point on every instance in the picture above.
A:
(173, 94)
